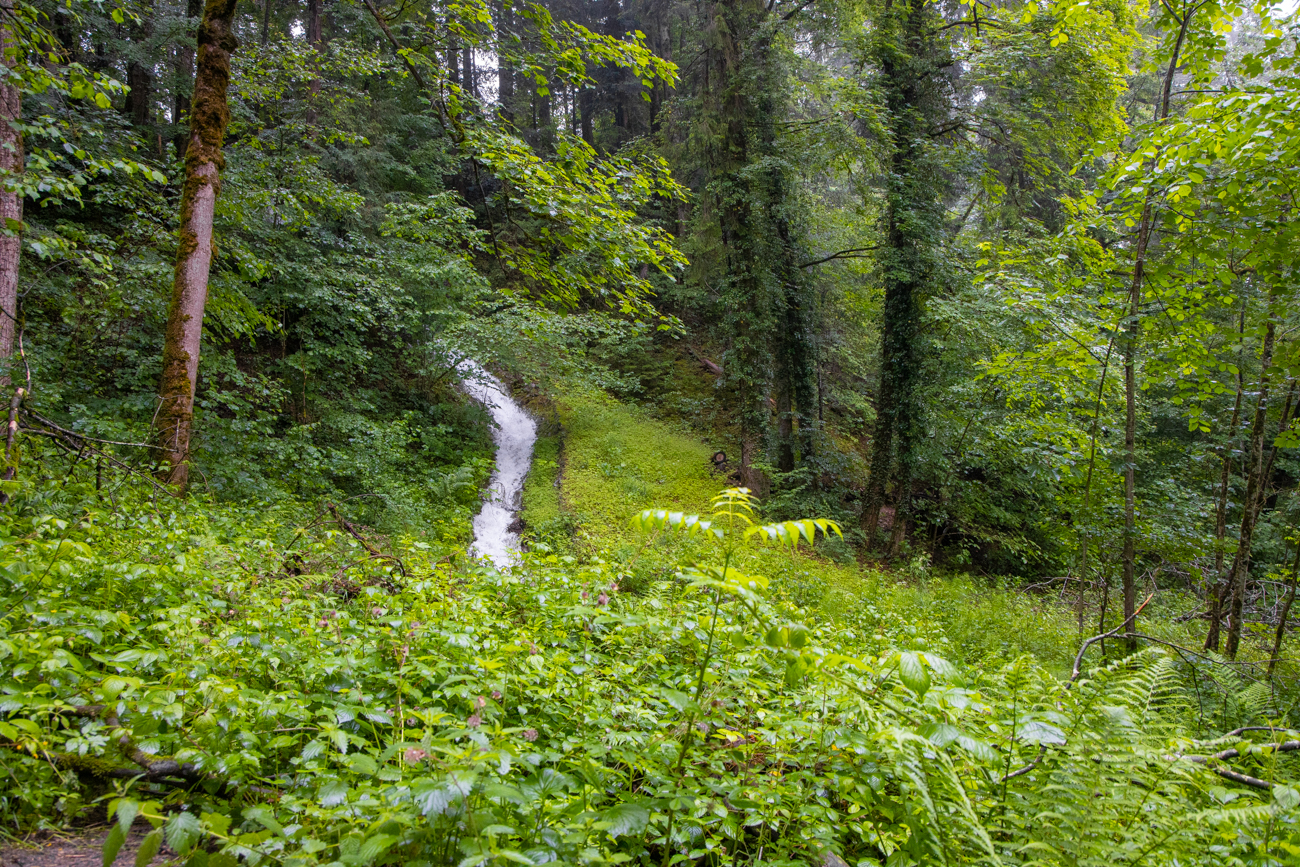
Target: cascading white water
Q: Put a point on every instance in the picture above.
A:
(515, 433)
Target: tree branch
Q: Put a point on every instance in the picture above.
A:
(842, 254)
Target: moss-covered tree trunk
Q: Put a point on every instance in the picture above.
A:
(11, 202)
(209, 116)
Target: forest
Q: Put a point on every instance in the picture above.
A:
(650, 432)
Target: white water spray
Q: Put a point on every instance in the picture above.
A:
(515, 433)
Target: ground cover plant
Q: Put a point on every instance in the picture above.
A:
(279, 686)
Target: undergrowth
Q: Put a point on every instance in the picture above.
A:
(277, 685)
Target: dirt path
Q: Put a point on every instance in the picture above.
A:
(82, 848)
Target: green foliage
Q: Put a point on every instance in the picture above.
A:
(338, 707)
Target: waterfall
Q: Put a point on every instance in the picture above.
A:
(514, 434)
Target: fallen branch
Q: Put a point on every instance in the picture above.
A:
(1237, 776)
(375, 553)
(163, 770)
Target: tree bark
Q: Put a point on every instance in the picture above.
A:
(209, 117)
(1132, 330)
(11, 203)
(1254, 478)
(139, 98)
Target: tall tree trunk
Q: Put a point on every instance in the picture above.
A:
(468, 77)
(266, 21)
(209, 118)
(11, 203)
(1240, 570)
(1286, 611)
(139, 98)
(317, 44)
(505, 67)
(1133, 330)
(185, 75)
(908, 55)
(587, 108)
(1216, 593)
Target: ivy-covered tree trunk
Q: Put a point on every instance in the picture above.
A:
(764, 304)
(908, 59)
(209, 117)
(11, 201)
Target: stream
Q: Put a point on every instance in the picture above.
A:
(515, 432)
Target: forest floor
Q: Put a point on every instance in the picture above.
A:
(81, 848)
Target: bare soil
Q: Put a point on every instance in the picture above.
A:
(80, 848)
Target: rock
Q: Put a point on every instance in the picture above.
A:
(830, 859)
(517, 525)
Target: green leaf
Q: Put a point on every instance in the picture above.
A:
(624, 820)
(263, 817)
(374, 847)
(149, 847)
(113, 844)
(332, 793)
(939, 734)
(913, 673)
(1036, 732)
(182, 831)
(679, 700)
(126, 811)
(362, 763)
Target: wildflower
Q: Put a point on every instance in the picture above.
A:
(414, 755)
(602, 600)
(530, 735)
(480, 702)
(532, 649)
(496, 695)
(584, 594)
(703, 727)
(324, 623)
(474, 721)
(376, 611)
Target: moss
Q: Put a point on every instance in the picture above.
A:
(85, 765)
(541, 490)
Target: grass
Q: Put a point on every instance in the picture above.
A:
(601, 461)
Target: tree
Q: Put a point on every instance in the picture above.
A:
(909, 56)
(209, 117)
(11, 202)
